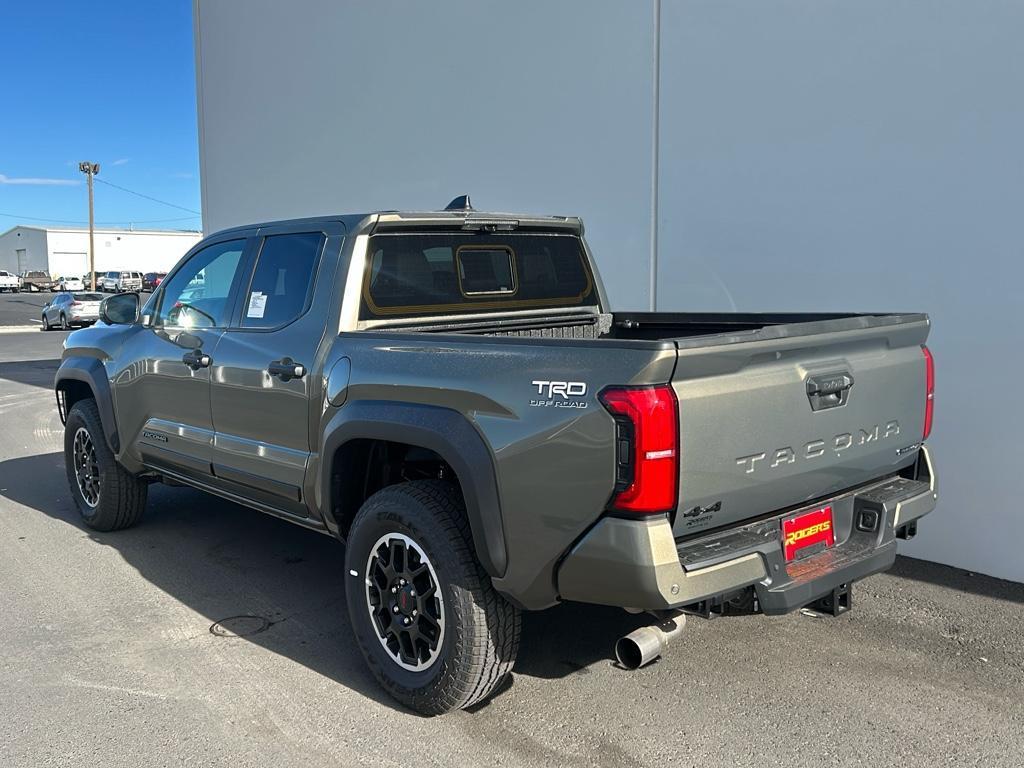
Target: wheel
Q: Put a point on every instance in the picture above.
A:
(46, 322)
(64, 326)
(433, 630)
(107, 495)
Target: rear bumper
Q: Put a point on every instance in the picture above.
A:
(636, 563)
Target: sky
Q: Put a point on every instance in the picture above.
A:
(112, 82)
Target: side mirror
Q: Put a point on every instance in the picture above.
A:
(120, 309)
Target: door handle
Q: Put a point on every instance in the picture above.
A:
(196, 359)
(286, 369)
(829, 390)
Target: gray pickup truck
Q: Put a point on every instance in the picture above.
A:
(449, 394)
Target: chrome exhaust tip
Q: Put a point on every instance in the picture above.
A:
(642, 646)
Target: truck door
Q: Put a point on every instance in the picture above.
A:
(163, 385)
(263, 380)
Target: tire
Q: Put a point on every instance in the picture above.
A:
(46, 323)
(117, 498)
(477, 637)
(64, 326)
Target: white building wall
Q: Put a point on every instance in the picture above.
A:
(28, 239)
(838, 156)
(117, 249)
(323, 107)
(65, 251)
(865, 156)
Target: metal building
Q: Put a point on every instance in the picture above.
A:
(65, 250)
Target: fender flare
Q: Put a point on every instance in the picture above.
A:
(90, 371)
(445, 432)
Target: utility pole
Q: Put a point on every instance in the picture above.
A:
(90, 170)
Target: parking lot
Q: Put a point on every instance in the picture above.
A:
(112, 653)
(22, 309)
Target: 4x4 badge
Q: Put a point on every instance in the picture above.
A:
(698, 510)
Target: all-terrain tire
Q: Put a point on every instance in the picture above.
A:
(481, 629)
(121, 496)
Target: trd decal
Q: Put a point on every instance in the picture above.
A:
(559, 394)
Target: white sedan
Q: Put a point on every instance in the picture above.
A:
(70, 284)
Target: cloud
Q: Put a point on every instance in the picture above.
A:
(39, 182)
(121, 161)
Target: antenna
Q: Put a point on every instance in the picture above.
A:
(460, 203)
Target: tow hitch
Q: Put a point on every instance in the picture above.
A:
(837, 602)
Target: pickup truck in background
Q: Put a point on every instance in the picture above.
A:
(449, 394)
(9, 282)
(37, 280)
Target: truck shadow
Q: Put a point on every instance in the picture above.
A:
(253, 573)
(246, 572)
(33, 373)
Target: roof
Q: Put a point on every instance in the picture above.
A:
(106, 230)
(461, 219)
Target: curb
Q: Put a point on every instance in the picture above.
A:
(20, 328)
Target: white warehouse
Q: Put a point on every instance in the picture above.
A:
(65, 250)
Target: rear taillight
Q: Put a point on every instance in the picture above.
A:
(76, 303)
(929, 385)
(647, 447)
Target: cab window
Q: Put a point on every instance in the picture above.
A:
(197, 295)
(283, 280)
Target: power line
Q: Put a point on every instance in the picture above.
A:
(147, 197)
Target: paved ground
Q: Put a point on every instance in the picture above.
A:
(22, 309)
(107, 658)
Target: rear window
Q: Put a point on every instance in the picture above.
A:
(88, 297)
(416, 275)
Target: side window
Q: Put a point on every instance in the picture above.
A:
(197, 295)
(281, 283)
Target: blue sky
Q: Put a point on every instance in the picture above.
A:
(112, 82)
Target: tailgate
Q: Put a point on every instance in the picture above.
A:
(775, 418)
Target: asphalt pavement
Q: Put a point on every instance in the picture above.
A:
(111, 653)
(22, 309)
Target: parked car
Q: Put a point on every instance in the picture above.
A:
(69, 309)
(37, 280)
(9, 282)
(122, 282)
(151, 280)
(69, 283)
(450, 394)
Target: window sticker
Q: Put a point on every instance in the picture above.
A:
(257, 304)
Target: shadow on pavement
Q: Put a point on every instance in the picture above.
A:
(960, 580)
(223, 560)
(34, 373)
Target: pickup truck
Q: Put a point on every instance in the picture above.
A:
(9, 282)
(449, 395)
(37, 280)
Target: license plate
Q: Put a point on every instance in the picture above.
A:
(807, 530)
